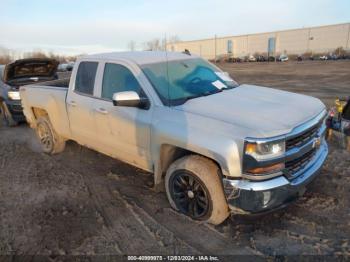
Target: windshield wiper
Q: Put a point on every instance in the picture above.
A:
(211, 93)
(229, 87)
(200, 95)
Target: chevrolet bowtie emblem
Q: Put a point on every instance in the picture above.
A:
(316, 143)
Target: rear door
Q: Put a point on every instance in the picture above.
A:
(80, 104)
(124, 132)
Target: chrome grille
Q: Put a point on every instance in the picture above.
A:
(294, 166)
(16, 108)
(303, 138)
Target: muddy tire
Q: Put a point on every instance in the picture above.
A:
(5, 116)
(51, 142)
(194, 188)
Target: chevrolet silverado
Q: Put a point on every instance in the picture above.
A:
(217, 147)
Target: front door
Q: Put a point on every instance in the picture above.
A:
(123, 131)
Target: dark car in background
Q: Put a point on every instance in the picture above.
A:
(70, 66)
(19, 73)
(333, 57)
(261, 58)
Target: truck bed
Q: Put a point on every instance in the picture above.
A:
(64, 83)
(49, 97)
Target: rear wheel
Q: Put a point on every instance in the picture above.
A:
(6, 117)
(194, 188)
(51, 142)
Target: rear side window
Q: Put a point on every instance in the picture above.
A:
(85, 79)
(118, 78)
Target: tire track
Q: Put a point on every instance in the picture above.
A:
(156, 230)
(117, 225)
(205, 240)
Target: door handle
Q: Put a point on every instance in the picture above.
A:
(72, 103)
(101, 111)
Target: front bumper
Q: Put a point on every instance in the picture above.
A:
(16, 110)
(248, 197)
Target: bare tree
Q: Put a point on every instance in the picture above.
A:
(36, 53)
(153, 45)
(163, 44)
(158, 44)
(171, 42)
(5, 56)
(173, 39)
(132, 45)
(8, 55)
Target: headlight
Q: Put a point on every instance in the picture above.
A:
(14, 95)
(257, 156)
(265, 150)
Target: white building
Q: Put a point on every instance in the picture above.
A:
(321, 39)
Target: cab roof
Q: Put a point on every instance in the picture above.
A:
(141, 57)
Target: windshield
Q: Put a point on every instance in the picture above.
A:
(186, 79)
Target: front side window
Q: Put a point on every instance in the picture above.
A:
(178, 81)
(85, 79)
(118, 78)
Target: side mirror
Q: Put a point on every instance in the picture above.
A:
(130, 99)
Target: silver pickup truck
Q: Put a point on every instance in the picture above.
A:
(216, 146)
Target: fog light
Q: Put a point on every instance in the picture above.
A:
(267, 170)
(267, 197)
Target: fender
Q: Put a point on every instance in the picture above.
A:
(170, 135)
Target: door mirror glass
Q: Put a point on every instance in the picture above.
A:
(130, 99)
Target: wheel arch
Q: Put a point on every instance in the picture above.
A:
(39, 112)
(34, 113)
(169, 154)
(58, 121)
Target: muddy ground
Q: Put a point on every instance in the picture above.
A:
(82, 202)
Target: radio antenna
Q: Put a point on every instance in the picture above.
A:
(167, 67)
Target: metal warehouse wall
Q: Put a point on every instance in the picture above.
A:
(322, 39)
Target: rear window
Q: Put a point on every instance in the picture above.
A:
(85, 79)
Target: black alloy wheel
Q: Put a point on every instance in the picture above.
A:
(189, 194)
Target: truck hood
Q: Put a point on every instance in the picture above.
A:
(268, 111)
(30, 70)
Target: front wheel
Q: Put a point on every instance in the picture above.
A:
(194, 188)
(51, 142)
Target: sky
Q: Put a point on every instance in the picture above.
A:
(85, 26)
